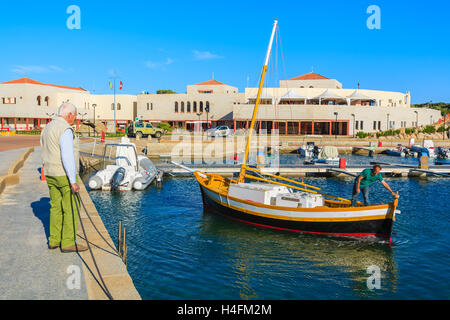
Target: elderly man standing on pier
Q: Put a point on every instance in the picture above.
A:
(364, 180)
(60, 157)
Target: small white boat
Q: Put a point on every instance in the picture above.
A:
(426, 150)
(310, 150)
(328, 155)
(130, 171)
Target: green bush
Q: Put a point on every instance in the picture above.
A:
(429, 129)
(442, 129)
(410, 130)
(165, 126)
(30, 132)
(389, 132)
(362, 134)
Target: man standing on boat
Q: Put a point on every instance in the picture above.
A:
(364, 180)
(60, 158)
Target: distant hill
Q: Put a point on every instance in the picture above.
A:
(442, 106)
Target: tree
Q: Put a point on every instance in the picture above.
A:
(165, 92)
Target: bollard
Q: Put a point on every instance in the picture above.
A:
(423, 162)
(42, 174)
(260, 160)
(342, 163)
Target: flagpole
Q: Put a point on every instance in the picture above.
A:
(114, 105)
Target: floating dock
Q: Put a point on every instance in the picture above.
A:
(316, 170)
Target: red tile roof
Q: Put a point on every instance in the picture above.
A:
(31, 81)
(310, 76)
(209, 83)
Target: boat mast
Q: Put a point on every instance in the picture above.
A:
(255, 110)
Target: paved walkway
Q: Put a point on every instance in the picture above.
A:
(7, 158)
(19, 141)
(28, 269)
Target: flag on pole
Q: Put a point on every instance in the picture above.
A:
(121, 85)
(110, 85)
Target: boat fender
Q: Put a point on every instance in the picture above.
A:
(95, 182)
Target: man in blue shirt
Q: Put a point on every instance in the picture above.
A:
(364, 180)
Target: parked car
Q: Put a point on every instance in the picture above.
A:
(144, 129)
(222, 131)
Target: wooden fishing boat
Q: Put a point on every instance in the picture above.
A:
(275, 202)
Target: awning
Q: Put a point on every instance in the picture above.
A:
(356, 95)
(328, 94)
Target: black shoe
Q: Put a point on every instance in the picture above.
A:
(53, 247)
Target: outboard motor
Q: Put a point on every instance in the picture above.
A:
(117, 178)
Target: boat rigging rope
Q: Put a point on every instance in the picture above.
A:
(103, 286)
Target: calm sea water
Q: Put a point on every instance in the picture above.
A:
(177, 251)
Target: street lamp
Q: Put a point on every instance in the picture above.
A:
(93, 106)
(387, 121)
(335, 126)
(199, 114)
(353, 115)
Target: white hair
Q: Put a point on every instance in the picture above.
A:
(66, 108)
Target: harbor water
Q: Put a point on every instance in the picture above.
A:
(178, 251)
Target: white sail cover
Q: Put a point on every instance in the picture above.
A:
(328, 152)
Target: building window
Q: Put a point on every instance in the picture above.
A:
(9, 100)
(195, 106)
(201, 106)
(362, 125)
(311, 86)
(357, 125)
(151, 106)
(379, 125)
(38, 100)
(188, 107)
(47, 100)
(119, 106)
(207, 106)
(182, 107)
(374, 125)
(148, 106)
(176, 106)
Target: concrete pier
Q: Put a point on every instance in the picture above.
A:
(29, 270)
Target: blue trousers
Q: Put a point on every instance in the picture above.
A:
(365, 193)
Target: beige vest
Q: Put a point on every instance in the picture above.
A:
(51, 152)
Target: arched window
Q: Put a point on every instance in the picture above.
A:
(311, 86)
(195, 106)
(201, 106)
(207, 107)
(112, 106)
(176, 106)
(182, 107)
(148, 106)
(119, 106)
(47, 100)
(188, 107)
(39, 100)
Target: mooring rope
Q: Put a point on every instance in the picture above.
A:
(104, 287)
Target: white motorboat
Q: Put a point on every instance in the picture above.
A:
(129, 170)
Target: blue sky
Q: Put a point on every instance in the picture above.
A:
(155, 45)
